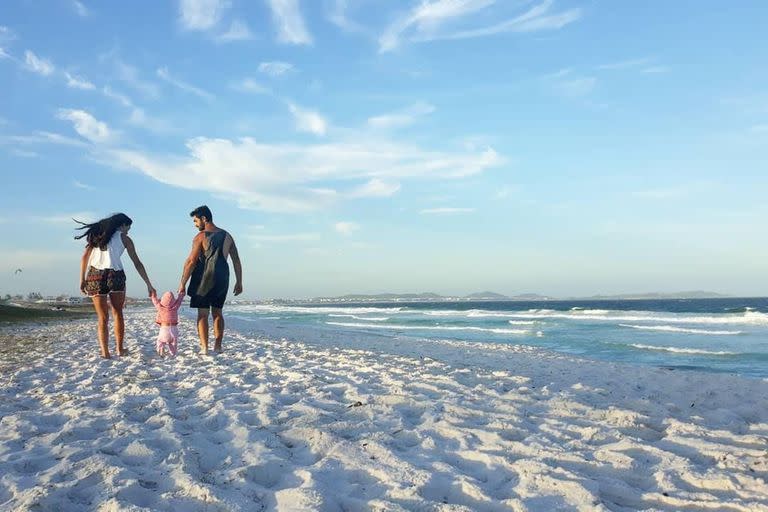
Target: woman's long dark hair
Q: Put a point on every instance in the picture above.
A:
(98, 234)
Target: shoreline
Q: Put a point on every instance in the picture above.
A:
(272, 423)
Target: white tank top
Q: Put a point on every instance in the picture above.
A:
(109, 258)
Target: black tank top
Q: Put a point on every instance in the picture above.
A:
(211, 274)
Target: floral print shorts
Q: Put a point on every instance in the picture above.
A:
(104, 281)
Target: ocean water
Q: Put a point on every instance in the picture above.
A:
(716, 335)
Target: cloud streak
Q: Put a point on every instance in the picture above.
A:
(299, 178)
(308, 120)
(403, 117)
(86, 125)
(37, 64)
(275, 68)
(289, 22)
(238, 31)
(445, 210)
(184, 86)
(201, 14)
(426, 22)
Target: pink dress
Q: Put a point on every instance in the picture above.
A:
(168, 319)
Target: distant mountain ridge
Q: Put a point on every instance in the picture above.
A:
(493, 296)
(428, 296)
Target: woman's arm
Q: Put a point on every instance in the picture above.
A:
(84, 267)
(128, 243)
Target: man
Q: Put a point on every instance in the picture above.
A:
(209, 272)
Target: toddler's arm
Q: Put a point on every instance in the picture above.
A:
(178, 301)
(154, 300)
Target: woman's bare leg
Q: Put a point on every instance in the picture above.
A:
(102, 312)
(117, 299)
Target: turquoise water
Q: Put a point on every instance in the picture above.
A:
(718, 335)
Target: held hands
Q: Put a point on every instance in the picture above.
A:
(182, 290)
(151, 291)
(238, 288)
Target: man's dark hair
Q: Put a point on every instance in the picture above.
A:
(202, 211)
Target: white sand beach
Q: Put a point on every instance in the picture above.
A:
(285, 425)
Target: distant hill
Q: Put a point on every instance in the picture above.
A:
(491, 296)
(486, 296)
(427, 297)
(659, 296)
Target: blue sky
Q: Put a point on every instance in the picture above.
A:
(560, 147)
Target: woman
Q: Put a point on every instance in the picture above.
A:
(106, 241)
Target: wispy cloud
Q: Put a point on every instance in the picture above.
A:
(140, 118)
(289, 22)
(338, 14)
(275, 68)
(166, 75)
(6, 34)
(667, 193)
(80, 9)
(130, 76)
(76, 82)
(426, 21)
(626, 64)
(346, 228)
(42, 137)
(308, 120)
(375, 188)
(66, 218)
(83, 185)
(238, 31)
(643, 65)
(86, 125)
(567, 83)
(122, 99)
(295, 237)
(37, 64)
(504, 192)
(402, 117)
(201, 14)
(443, 211)
(656, 69)
(23, 153)
(249, 85)
(296, 178)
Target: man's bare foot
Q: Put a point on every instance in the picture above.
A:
(106, 356)
(122, 352)
(217, 348)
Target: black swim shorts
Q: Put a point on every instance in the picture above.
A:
(104, 281)
(207, 301)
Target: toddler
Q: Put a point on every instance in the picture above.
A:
(168, 319)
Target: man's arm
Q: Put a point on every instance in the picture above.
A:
(238, 268)
(84, 267)
(131, 249)
(191, 261)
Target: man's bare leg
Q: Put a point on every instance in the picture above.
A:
(202, 329)
(117, 299)
(218, 328)
(102, 313)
